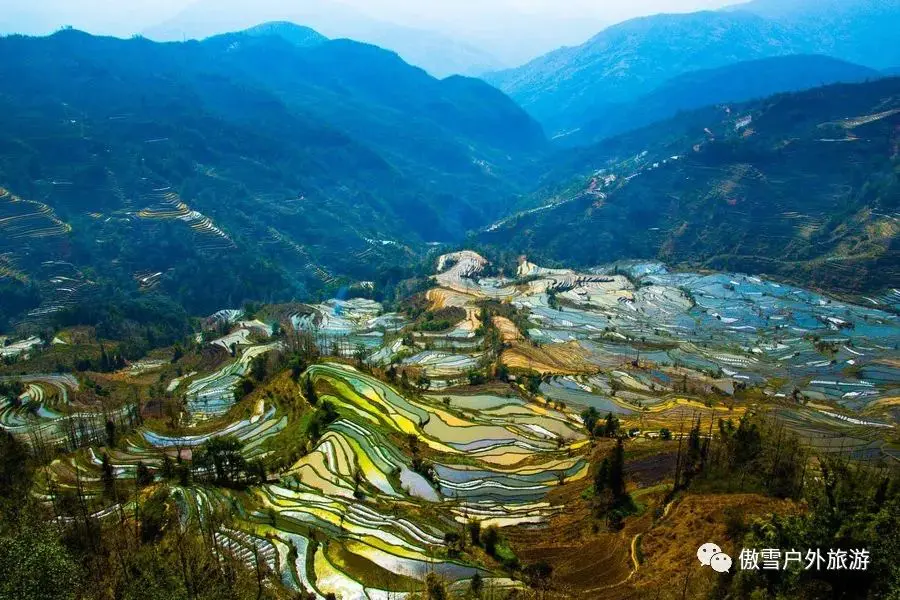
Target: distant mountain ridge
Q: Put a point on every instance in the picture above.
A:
(298, 35)
(738, 82)
(437, 54)
(570, 87)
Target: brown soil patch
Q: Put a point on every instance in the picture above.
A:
(442, 298)
(670, 565)
(678, 414)
(559, 359)
(508, 330)
(581, 560)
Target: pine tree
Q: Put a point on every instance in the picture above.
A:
(108, 477)
(617, 471)
(309, 391)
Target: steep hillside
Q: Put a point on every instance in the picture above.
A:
(861, 31)
(732, 83)
(803, 186)
(571, 86)
(245, 166)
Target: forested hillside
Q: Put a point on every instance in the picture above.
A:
(245, 166)
(803, 186)
(740, 82)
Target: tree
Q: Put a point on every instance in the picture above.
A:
(258, 368)
(167, 470)
(552, 300)
(309, 390)
(611, 427)
(538, 575)
(143, 476)
(15, 477)
(534, 384)
(298, 365)
(36, 566)
(108, 477)
(111, 437)
(617, 470)
(609, 486)
(665, 434)
(221, 457)
(590, 417)
(476, 585)
(474, 528)
(435, 587)
(490, 537)
(454, 543)
(423, 381)
(601, 477)
(360, 354)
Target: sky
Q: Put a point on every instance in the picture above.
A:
(511, 30)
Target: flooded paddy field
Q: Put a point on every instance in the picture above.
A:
(426, 433)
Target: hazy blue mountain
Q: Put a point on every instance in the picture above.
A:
(437, 54)
(308, 166)
(732, 83)
(804, 186)
(298, 35)
(860, 31)
(570, 86)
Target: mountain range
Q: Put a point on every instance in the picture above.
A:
(436, 53)
(253, 164)
(571, 87)
(274, 162)
(732, 83)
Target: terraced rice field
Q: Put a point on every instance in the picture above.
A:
(165, 204)
(348, 323)
(494, 459)
(43, 413)
(363, 511)
(629, 346)
(27, 219)
(213, 395)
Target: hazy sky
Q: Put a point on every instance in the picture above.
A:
(509, 30)
(123, 17)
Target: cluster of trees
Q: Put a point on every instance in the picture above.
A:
(140, 323)
(846, 505)
(610, 500)
(15, 298)
(105, 363)
(608, 428)
(221, 460)
(756, 454)
(849, 506)
(416, 308)
(149, 553)
(420, 464)
(12, 389)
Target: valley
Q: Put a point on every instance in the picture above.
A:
(284, 316)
